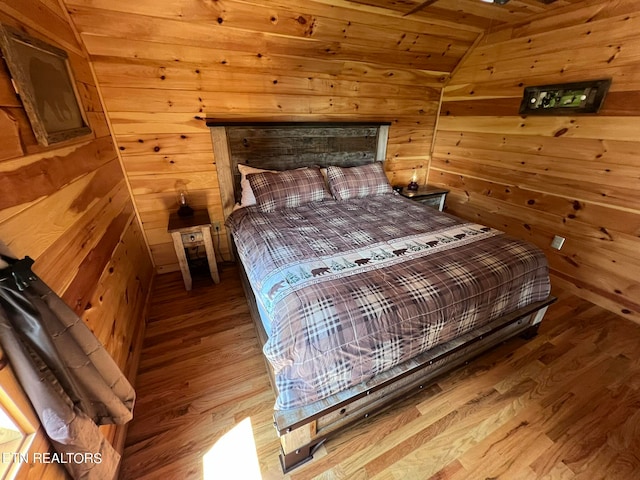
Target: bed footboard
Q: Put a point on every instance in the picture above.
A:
(303, 430)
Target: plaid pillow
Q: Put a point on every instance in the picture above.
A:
(358, 182)
(290, 188)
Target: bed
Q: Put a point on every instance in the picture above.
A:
(360, 297)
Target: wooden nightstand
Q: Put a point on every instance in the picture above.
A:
(432, 196)
(189, 232)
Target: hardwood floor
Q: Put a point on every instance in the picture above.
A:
(565, 405)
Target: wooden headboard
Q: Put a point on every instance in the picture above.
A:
(283, 146)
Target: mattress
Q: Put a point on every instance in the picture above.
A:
(352, 288)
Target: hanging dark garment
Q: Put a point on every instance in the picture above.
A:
(72, 382)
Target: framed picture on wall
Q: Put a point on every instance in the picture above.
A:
(43, 80)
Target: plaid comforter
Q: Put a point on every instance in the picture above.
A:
(355, 287)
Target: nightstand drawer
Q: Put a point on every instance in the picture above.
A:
(431, 196)
(430, 201)
(192, 239)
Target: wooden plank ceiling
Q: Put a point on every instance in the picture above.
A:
(477, 14)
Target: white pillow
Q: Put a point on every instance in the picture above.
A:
(247, 197)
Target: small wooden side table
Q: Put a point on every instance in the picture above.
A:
(431, 196)
(193, 231)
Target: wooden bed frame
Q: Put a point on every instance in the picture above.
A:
(303, 430)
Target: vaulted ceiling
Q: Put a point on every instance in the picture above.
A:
(476, 14)
(449, 27)
(427, 35)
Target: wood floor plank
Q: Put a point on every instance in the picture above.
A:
(565, 405)
(508, 451)
(582, 441)
(559, 472)
(490, 414)
(626, 465)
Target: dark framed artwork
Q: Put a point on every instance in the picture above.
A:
(42, 77)
(565, 98)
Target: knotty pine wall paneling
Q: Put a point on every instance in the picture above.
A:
(537, 176)
(163, 67)
(67, 205)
